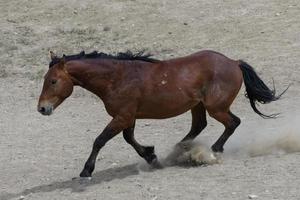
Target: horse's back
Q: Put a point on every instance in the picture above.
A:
(208, 66)
(176, 85)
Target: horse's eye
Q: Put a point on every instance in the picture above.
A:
(53, 81)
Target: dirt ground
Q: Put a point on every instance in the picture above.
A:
(41, 155)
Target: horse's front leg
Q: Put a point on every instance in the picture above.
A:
(146, 152)
(112, 129)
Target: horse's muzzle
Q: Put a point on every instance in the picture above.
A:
(45, 110)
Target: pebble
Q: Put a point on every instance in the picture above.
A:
(154, 198)
(11, 21)
(252, 196)
(21, 197)
(139, 185)
(114, 164)
(106, 28)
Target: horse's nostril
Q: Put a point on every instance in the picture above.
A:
(42, 109)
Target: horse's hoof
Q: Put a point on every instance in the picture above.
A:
(156, 164)
(85, 174)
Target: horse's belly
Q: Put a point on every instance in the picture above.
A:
(170, 93)
(164, 107)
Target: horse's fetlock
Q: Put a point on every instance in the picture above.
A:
(149, 158)
(149, 150)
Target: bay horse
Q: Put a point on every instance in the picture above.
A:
(137, 86)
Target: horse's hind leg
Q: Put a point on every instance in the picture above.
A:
(146, 152)
(231, 122)
(198, 122)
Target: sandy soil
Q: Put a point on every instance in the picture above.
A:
(40, 155)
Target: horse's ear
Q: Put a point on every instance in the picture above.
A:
(62, 62)
(52, 55)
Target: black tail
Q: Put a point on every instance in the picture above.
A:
(256, 89)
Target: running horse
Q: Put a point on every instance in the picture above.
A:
(137, 86)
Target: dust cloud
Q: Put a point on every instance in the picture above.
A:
(191, 153)
(276, 137)
(281, 136)
(185, 154)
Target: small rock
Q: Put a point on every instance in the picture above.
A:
(106, 28)
(277, 14)
(185, 23)
(21, 197)
(154, 198)
(252, 196)
(139, 185)
(11, 20)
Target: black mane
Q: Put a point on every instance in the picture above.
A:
(128, 55)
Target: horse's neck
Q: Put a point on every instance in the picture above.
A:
(93, 76)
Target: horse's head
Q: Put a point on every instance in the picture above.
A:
(56, 88)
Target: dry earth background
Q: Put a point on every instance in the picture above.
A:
(40, 155)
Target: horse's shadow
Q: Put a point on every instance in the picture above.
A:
(77, 184)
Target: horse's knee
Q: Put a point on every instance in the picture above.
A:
(128, 135)
(101, 140)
